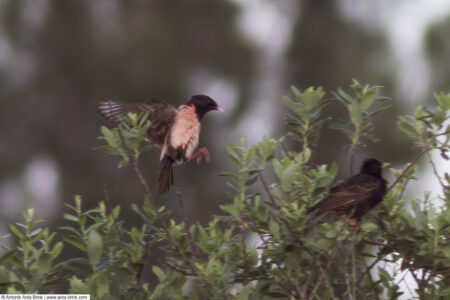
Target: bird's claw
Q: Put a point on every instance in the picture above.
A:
(203, 153)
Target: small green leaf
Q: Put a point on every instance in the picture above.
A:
(102, 286)
(159, 273)
(74, 241)
(369, 227)
(7, 255)
(44, 262)
(71, 217)
(16, 231)
(405, 126)
(94, 247)
(274, 228)
(77, 286)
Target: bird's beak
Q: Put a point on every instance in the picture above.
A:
(384, 165)
(220, 109)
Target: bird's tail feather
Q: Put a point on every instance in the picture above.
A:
(165, 179)
(315, 219)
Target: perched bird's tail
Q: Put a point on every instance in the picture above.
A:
(165, 179)
(315, 219)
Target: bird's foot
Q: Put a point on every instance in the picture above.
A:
(351, 222)
(201, 153)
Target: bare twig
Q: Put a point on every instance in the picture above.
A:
(266, 188)
(325, 278)
(430, 160)
(292, 281)
(144, 183)
(407, 169)
(368, 269)
(313, 292)
(351, 158)
(183, 216)
(353, 266)
(107, 199)
(374, 286)
(442, 133)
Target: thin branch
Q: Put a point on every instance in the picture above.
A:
(407, 169)
(430, 160)
(374, 286)
(266, 188)
(419, 284)
(183, 216)
(353, 266)
(325, 278)
(164, 224)
(351, 158)
(313, 292)
(292, 281)
(442, 133)
(368, 269)
(108, 205)
(144, 183)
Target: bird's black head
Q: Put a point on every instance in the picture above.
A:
(203, 104)
(373, 167)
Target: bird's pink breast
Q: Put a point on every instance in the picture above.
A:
(185, 131)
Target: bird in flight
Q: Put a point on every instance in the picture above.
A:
(175, 129)
(354, 197)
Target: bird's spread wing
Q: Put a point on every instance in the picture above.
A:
(160, 114)
(347, 195)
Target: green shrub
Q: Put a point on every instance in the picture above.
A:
(288, 260)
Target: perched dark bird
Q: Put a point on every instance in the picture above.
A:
(175, 130)
(354, 197)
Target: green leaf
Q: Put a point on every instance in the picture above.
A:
(102, 286)
(405, 126)
(16, 231)
(5, 257)
(71, 217)
(244, 294)
(443, 101)
(274, 228)
(74, 241)
(56, 249)
(159, 273)
(369, 227)
(44, 262)
(77, 286)
(94, 247)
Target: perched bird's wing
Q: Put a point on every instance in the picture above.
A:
(351, 193)
(160, 114)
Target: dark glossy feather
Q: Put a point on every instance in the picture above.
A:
(165, 179)
(354, 197)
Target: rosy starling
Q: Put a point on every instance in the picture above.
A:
(175, 130)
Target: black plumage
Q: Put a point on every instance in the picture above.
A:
(175, 130)
(354, 197)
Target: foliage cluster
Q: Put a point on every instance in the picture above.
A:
(260, 248)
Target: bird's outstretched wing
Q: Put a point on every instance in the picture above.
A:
(160, 114)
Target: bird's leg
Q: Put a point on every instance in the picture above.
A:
(199, 155)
